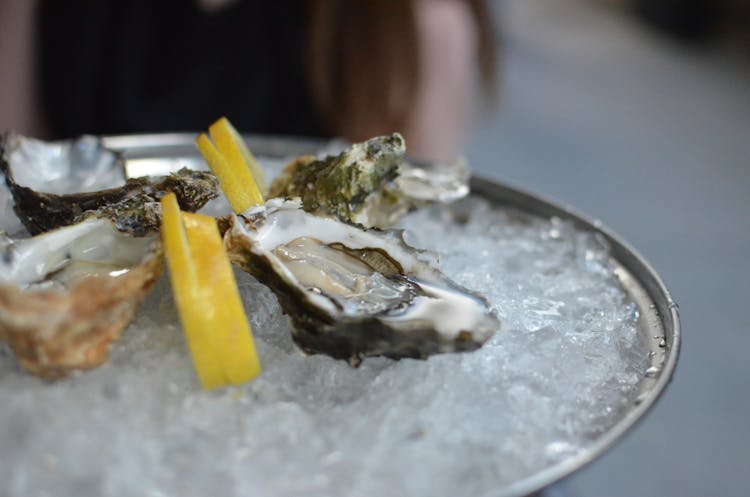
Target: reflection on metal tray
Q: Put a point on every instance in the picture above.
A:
(163, 153)
(658, 322)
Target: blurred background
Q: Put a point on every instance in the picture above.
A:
(635, 112)
(638, 114)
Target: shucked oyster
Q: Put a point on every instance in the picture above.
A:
(66, 295)
(353, 292)
(57, 184)
(371, 183)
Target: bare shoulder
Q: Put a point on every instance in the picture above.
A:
(447, 24)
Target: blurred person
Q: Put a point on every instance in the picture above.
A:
(317, 68)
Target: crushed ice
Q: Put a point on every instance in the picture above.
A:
(566, 361)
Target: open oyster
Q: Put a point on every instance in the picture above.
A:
(353, 292)
(57, 184)
(371, 183)
(66, 295)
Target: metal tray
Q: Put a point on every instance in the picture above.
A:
(659, 319)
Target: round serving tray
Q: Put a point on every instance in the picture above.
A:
(658, 322)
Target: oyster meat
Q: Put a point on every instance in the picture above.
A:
(352, 292)
(66, 295)
(371, 183)
(60, 183)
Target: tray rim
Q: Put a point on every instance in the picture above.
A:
(634, 271)
(663, 310)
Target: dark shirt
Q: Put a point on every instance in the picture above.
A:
(129, 66)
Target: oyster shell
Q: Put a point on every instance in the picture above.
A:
(353, 292)
(66, 295)
(341, 185)
(371, 183)
(59, 183)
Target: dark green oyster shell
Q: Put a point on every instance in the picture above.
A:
(342, 185)
(371, 184)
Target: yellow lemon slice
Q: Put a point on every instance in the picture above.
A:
(211, 312)
(231, 162)
(235, 151)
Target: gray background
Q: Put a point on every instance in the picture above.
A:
(653, 138)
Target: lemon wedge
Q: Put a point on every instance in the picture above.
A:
(235, 151)
(230, 160)
(211, 312)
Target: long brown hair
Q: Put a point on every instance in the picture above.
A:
(363, 60)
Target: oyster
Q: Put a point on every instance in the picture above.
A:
(66, 295)
(353, 292)
(58, 184)
(371, 183)
(341, 185)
